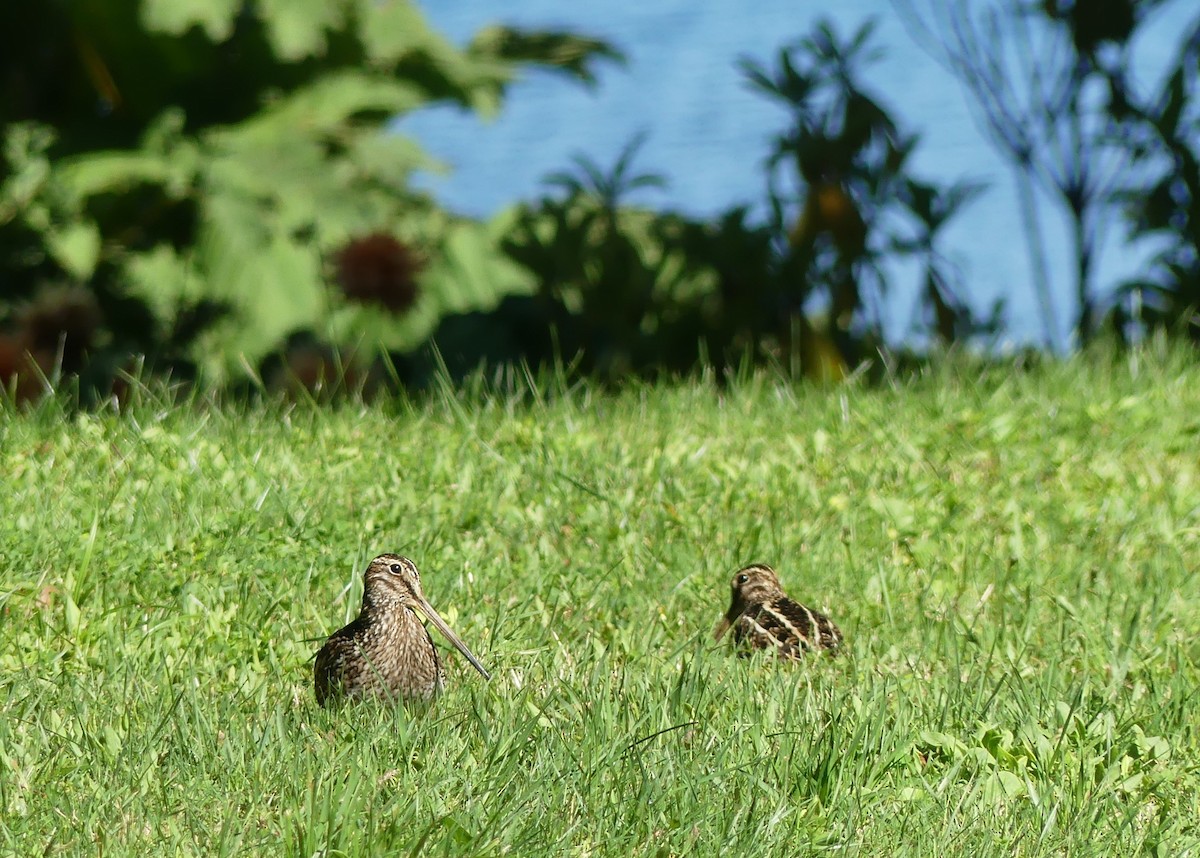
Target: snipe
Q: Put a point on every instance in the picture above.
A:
(763, 617)
(387, 651)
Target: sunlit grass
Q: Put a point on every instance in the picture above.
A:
(1010, 554)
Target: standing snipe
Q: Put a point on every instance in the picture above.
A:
(387, 651)
(763, 617)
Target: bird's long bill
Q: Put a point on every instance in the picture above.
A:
(436, 619)
(722, 627)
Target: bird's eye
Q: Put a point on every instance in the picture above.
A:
(396, 568)
(742, 579)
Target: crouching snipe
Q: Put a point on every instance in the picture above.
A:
(387, 652)
(763, 617)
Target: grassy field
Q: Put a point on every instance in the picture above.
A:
(1010, 555)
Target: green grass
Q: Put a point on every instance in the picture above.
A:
(1010, 555)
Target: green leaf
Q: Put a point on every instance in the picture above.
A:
(328, 103)
(114, 172)
(76, 248)
(391, 157)
(25, 146)
(176, 17)
(298, 28)
(898, 511)
(1001, 785)
(160, 278)
(396, 32)
(272, 282)
(471, 274)
(560, 51)
(392, 30)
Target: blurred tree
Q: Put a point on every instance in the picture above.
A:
(1040, 73)
(839, 173)
(198, 168)
(603, 273)
(634, 291)
(1161, 197)
(931, 207)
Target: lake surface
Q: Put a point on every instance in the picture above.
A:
(708, 132)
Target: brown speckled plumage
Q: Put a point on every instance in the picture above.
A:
(387, 651)
(763, 617)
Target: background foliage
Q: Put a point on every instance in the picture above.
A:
(190, 168)
(214, 190)
(1062, 90)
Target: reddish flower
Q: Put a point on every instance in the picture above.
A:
(20, 372)
(60, 316)
(379, 269)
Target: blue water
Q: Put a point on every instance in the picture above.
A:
(708, 132)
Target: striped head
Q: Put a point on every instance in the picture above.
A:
(392, 581)
(756, 584)
(392, 578)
